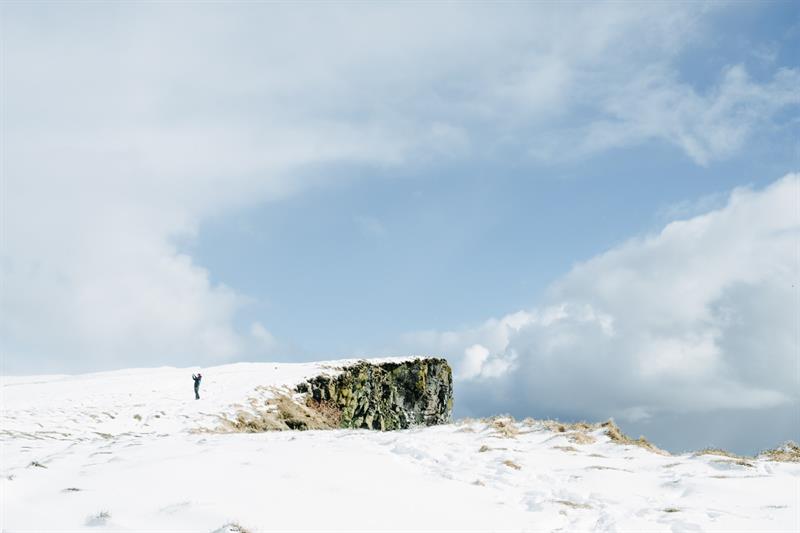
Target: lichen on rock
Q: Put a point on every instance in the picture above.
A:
(386, 396)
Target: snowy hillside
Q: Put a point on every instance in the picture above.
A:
(133, 450)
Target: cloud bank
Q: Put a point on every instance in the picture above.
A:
(125, 126)
(700, 317)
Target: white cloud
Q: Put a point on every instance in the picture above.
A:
(710, 126)
(127, 125)
(699, 317)
(263, 336)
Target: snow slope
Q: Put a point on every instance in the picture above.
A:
(121, 451)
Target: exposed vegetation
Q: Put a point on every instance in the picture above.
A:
(788, 453)
(282, 412)
(616, 435)
(504, 426)
(718, 451)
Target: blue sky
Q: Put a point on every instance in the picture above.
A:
(193, 184)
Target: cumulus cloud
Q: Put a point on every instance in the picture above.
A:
(698, 317)
(125, 126)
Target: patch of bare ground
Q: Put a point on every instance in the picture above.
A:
(616, 435)
(511, 464)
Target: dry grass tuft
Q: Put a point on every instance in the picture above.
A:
(282, 413)
(483, 448)
(788, 453)
(36, 464)
(616, 435)
(581, 437)
(504, 426)
(511, 464)
(563, 427)
(718, 451)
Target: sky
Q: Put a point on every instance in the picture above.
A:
(592, 210)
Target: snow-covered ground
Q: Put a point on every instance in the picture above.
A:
(134, 451)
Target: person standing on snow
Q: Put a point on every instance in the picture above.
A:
(197, 379)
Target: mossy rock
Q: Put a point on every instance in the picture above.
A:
(386, 396)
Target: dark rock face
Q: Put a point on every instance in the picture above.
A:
(387, 396)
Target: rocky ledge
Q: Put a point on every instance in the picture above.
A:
(385, 395)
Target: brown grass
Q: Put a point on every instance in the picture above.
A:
(563, 427)
(282, 412)
(580, 437)
(328, 410)
(511, 464)
(504, 426)
(788, 453)
(616, 435)
(483, 448)
(718, 451)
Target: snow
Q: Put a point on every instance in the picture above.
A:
(167, 470)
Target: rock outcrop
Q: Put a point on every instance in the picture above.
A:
(385, 395)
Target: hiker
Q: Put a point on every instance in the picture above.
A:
(197, 379)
